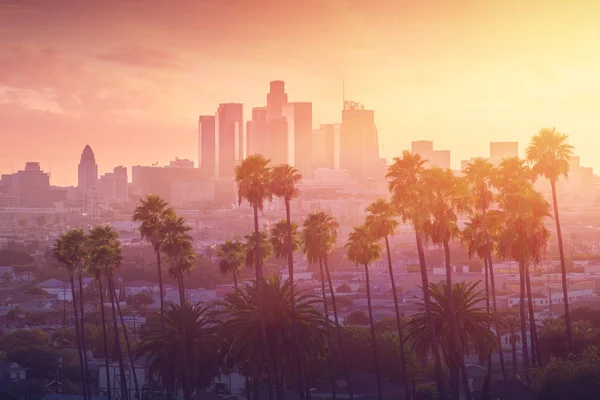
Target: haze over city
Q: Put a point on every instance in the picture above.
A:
(121, 76)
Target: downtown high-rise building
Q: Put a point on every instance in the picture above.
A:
(207, 151)
(221, 141)
(359, 144)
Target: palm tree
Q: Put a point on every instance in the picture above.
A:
(177, 245)
(478, 235)
(152, 213)
(242, 330)
(231, 255)
(253, 180)
(319, 235)
(550, 155)
(381, 222)
(445, 198)
(405, 181)
(69, 250)
(363, 249)
(473, 327)
(202, 325)
(523, 235)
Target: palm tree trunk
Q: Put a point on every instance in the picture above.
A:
(326, 311)
(373, 337)
(523, 316)
(123, 378)
(185, 378)
(84, 376)
(127, 343)
(435, 345)
(513, 342)
(563, 268)
(290, 260)
(458, 345)
(338, 329)
(162, 319)
(83, 343)
(398, 322)
(498, 338)
(535, 348)
(104, 338)
(263, 329)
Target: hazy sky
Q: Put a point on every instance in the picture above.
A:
(130, 77)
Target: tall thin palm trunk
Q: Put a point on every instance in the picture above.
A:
(128, 344)
(535, 348)
(373, 336)
(458, 345)
(104, 336)
(523, 316)
(398, 321)
(185, 378)
(117, 342)
(83, 342)
(338, 329)
(563, 268)
(494, 305)
(84, 377)
(326, 312)
(290, 260)
(162, 318)
(435, 345)
(261, 315)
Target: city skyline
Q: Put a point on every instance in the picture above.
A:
(480, 73)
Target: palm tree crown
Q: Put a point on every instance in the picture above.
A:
(550, 154)
(253, 178)
(381, 219)
(284, 180)
(362, 247)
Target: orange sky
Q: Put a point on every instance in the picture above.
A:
(130, 77)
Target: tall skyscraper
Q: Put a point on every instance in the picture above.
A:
(359, 144)
(87, 171)
(207, 150)
(229, 126)
(299, 123)
(276, 99)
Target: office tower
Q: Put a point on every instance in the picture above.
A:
(422, 147)
(299, 123)
(276, 99)
(326, 146)
(500, 150)
(359, 145)
(31, 186)
(112, 186)
(179, 183)
(441, 159)
(207, 143)
(87, 171)
(229, 126)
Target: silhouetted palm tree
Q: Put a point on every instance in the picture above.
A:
(405, 181)
(363, 249)
(381, 222)
(253, 179)
(152, 213)
(242, 331)
(319, 235)
(177, 245)
(202, 325)
(231, 255)
(550, 155)
(473, 327)
(69, 250)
